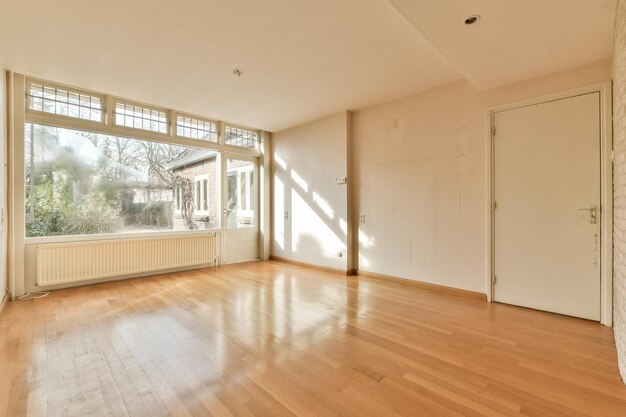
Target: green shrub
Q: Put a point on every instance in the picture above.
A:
(91, 216)
(56, 214)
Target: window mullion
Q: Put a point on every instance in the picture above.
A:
(220, 133)
(172, 123)
(109, 103)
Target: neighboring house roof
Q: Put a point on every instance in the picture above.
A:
(190, 156)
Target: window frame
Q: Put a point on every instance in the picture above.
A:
(166, 112)
(250, 191)
(57, 86)
(178, 198)
(237, 148)
(217, 123)
(201, 195)
(107, 126)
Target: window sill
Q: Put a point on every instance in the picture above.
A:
(116, 236)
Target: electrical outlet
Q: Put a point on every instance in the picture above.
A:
(286, 215)
(341, 180)
(362, 220)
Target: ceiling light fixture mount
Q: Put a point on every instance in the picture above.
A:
(472, 19)
(238, 72)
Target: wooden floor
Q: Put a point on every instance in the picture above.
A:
(270, 339)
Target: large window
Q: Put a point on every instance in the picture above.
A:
(80, 183)
(163, 174)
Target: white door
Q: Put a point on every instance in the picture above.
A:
(547, 215)
(240, 212)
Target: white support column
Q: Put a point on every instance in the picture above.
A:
(352, 241)
(265, 196)
(16, 186)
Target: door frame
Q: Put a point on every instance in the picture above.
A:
(224, 157)
(606, 189)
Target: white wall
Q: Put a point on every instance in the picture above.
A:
(421, 178)
(306, 160)
(3, 186)
(619, 196)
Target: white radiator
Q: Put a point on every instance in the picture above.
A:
(60, 263)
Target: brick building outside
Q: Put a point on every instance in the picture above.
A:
(201, 167)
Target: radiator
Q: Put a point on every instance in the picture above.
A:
(60, 263)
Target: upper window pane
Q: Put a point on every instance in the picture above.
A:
(64, 102)
(241, 137)
(188, 127)
(143, 118)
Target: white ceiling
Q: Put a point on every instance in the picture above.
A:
(515, 39)
(301, 59)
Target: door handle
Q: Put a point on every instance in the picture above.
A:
(593, 213)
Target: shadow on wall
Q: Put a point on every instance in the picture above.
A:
(306, 227)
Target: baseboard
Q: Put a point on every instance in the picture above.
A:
(457, 292)
(442, 289)
(312, 266)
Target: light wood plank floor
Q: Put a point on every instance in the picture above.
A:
(270, 339)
